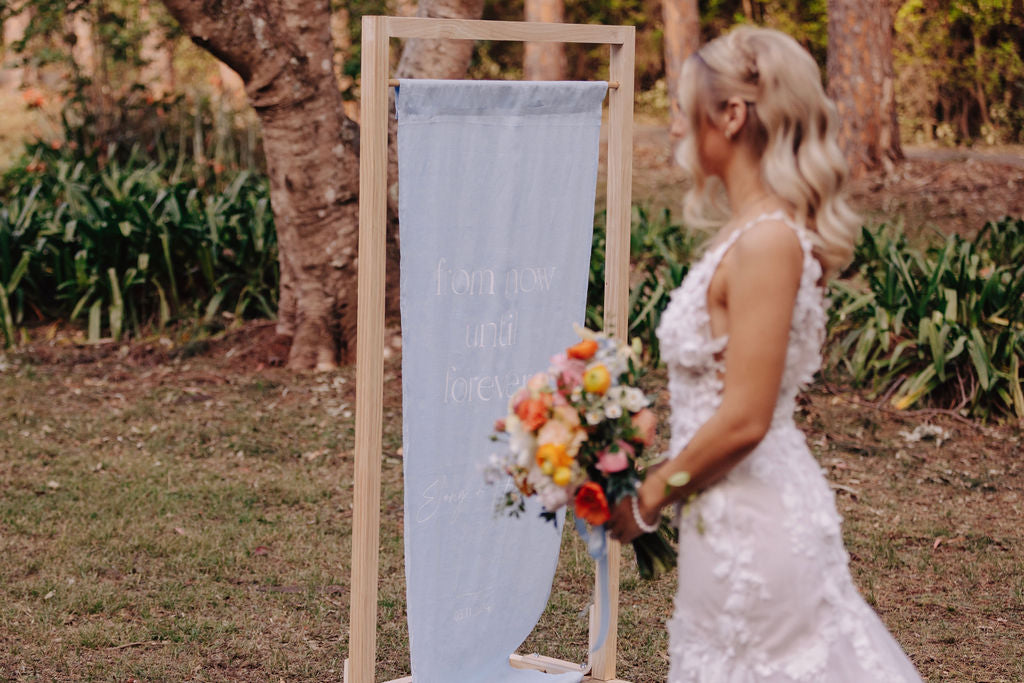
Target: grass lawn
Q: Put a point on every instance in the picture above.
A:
(167, 518)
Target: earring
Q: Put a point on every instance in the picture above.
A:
(728, 135)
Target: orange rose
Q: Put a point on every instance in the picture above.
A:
(591, 504)
(585, 350)
(533, 412)
(644, 424)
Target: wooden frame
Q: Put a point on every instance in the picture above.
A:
(377, 33)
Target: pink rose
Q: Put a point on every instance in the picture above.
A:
(569, 370)
(609, 461)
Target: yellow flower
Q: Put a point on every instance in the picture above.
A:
(562, 476)
(553, 453)
(597, 379)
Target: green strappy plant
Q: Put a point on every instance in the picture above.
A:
(660, 256)
(942, 325)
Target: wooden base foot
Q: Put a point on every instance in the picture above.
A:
(534, 662)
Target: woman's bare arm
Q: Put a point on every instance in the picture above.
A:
(759, 279)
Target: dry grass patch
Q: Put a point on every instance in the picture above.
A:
(166, 518)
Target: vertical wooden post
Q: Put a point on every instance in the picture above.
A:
(616, 291)
(373, 157)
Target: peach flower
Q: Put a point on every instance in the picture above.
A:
(644, 422)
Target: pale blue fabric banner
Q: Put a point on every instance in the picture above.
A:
(496, 208)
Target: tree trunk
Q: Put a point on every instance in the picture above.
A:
(83, 52)
(157, 52)
(544, 61)
(439, 58)
(682, 38)
(282, 50)
(860, 81)
(11, 77)
(422, 58)
(979, 86)
(748, 10)
(230, 85)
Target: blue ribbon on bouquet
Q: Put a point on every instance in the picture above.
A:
(597, 547)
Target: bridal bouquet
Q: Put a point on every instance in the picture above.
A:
(576, 434)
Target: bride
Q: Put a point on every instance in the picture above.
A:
(764, 593)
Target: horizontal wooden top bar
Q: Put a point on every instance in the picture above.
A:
(612, 85)
(473, 29)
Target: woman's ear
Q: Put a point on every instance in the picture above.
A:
(735, 116)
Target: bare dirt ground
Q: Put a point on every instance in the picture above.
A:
(951, 190)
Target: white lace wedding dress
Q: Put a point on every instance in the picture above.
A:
(765, 594)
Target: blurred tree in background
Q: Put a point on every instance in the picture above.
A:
(959, 64)
(681, 22)
(960, 74)
(862, 85)
(544, 61)
(117, 89)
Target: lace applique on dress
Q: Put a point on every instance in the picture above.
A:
(765, 593)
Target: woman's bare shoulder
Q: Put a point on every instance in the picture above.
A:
(770, 245)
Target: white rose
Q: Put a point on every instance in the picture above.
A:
(523, 444)
(616, 394)
(634, 400)
(552, 497)
(494, 470)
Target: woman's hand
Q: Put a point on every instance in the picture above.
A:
(622, 525)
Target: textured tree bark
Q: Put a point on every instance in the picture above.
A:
(422, 59)
(860, 81)
(12, 78)
(431, 59)
(682, 38)
(156, 50)
(544, 61)
(282, 50)
(439, 58)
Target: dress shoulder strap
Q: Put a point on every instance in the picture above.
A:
(777, 215)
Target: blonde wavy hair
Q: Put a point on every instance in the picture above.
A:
(791, 125)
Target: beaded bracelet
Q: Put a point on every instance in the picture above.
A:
(640, 523)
